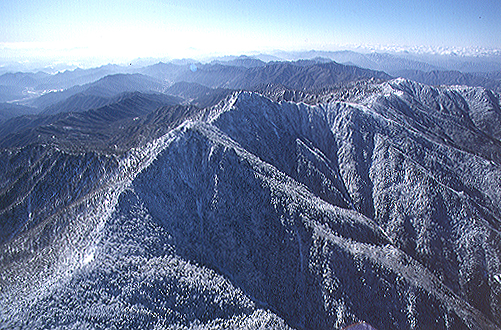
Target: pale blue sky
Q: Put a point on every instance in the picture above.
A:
(126, 29)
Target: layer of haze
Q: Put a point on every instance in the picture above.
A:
(120, 30)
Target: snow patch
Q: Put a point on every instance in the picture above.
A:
(88, 257)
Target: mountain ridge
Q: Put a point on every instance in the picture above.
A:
(42, 90)
(351, 207)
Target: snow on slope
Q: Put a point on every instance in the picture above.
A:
(265, 214)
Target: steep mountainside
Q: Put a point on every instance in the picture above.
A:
(78, 130)
(377, 202)
(308, 76)
(81, 90)
(450, 78)
(77, 103)
(85, 101)
(198, 95)
(11, 93)
(105, 87)
(60, 80)
(298, 75)
(8, 110)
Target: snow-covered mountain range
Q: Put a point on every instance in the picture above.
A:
(311, 196)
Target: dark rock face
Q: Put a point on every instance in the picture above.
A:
(378, 203)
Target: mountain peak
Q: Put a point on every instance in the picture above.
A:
(314, 196)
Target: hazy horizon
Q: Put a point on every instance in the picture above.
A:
(101, 32)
